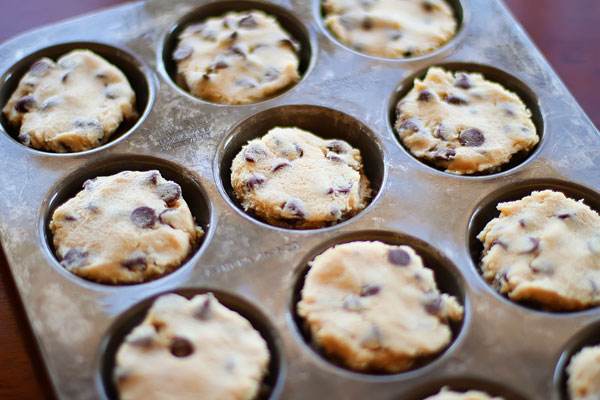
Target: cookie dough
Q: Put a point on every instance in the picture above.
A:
(72, 105)
(292, 178)
(375, 307)
(390, 28)
(237, 58)
(125, 228)
(462, 123)
(584, 374)
(545, 249)
(191, 349)
(447, 394)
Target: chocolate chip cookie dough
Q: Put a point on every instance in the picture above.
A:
(292, 178)
(545, 249)
(191, 349)
(124, 228)
(376, 307)
(584, 374)
(72, 105)
(390, 28)
(462, 123)
(447, 394)
(237, 58)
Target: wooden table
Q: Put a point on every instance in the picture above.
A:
(566, 32)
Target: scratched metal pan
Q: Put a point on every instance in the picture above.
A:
(517, 351)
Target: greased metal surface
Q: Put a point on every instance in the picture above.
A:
(502, 347)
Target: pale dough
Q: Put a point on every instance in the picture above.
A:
(191, 349)
(447, 394)
(376, 307)
(237, 58)
(72, 105)
(584, 374)
(544, 248)
(293, 178)
(462, 123)
(390, 28)
(124, 228)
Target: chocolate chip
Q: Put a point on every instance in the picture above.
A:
(254, 153)
(432, 302)
(101, 75)
(299, 150)
(522, 223)
(143, 217)
(500, 279)
(428, 5)
(500, 243)
(352, 303)
(65, 77)
(399, 257)
(344, 188)
(25, 103)
(205, 77)
(335, 211)
(75, 258)
(24, 138)
(369, 290)
(334, 158)
(169, 192)
(407, 53)
(531, 246)
(135, 262)
(39, 68)
(444, 155)
(463, 81)
(456, 100)
(271, 74)
(254, 181)
(181, 347)
(338, 146)
(233, 36)
(564, 216)
(220, 65)
(424, 95)
(238, 50)
(410, 124)
(471, 137)
(399, 108)
(69, 217)
(203, 312)
(367, 24)
(294, 207)
(81, 123)
(280, 165)
(153, 177)
(111, 94)
(248, 22)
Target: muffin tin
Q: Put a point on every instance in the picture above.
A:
(257, 269)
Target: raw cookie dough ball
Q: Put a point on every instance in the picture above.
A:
(124, 228)
(375, 307)
(390, 28)
(462, 123)
(292, 178)
(72, 105)
(191, 349)
(237, 58)
(447, 394)
(545, 249)
(584, 374)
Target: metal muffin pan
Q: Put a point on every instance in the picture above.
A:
(257, 269)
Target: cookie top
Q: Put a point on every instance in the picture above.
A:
(447, 394)
(462, 123)
(584, 374)
(292, 178)
(375, 307)
(72, 105)
(191, 349)
(237, 58)
(124, 228)
(390, 28)
(544, 248)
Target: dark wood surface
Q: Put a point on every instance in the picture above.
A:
(567, 32)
